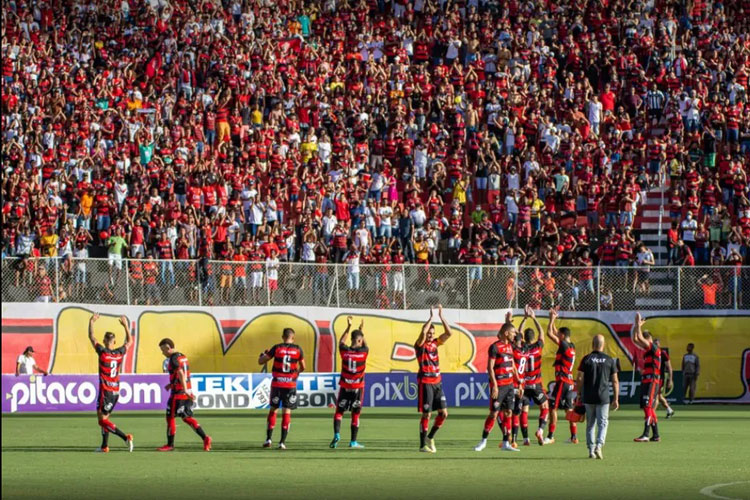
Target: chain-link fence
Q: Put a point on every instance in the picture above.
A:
(368, 286)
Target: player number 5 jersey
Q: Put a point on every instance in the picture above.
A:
(353, 362)
(110, 363)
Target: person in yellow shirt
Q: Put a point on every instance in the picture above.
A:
(421, 250)
(308, 149)
(537, 207)
(256, 117)
(459, 191)
(48, 243)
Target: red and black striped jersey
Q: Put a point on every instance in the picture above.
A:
(353, 362)
(532, 370)
(178, 361)
(110, 362)
(502, 353)
(564, 361)
(429, 363)
(519, 358)
(651, 364)
(286, 360)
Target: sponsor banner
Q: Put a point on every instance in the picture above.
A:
(57, 393)
(247, 391)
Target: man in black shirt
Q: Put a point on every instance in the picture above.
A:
(596, 371)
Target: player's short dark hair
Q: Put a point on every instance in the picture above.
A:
(504, 329)
(288, 332)
(167, 341)
(646, 334)
(357, 334)
(528, 335)
(565, 331)
(108, 337)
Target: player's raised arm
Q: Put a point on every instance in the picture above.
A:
(126, 325)
(92, 339)
(425, 328)
(448, 332)
(345, 335)
(637, 332)
(362, 329)
(539, 336)
(551, 329)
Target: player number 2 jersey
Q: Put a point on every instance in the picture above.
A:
(429, 363)
(110, 364)
(286, 359)
(353, 362)
(178, 361)
(564, 361)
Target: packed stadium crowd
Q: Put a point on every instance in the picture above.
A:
(495, 132)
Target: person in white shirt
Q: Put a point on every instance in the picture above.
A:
(418, 217)
(362, 237)
(689, 226)
(272, 269)
(26, 364)
(595, 114)
(385, 212)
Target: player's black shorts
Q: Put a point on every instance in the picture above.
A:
(649, 394)
(179, 407)
(562, 396)
(535, 393)
(431, 398)
(349, 399)
(286, 397)
(106, 401)
(506, 398)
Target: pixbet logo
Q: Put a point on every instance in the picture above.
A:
(35, 394)
(471, 391)
(397, 390)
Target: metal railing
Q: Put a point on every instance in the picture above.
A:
(392, 286)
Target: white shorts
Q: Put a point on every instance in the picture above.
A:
(135, 250)
(115, 259)
(256, 280)
(398, 281)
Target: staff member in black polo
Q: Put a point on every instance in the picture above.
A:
(595, 373)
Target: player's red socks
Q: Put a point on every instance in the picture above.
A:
(105, 424)
(171, 430)
(489, 423)
(552, 427)
(525, 424)
(355, 426)
(195, 425)
(286, 419)
(543, 414)
(424, 422)
(271, 420)
(516, 420)
(337, 421)
(573, 429)
(437, 425)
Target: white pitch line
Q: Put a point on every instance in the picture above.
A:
(709, 490)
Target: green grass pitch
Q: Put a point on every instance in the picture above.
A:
(51, 456)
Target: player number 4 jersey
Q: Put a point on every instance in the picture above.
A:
(110, 363)
(353, 362)
(286, 360)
